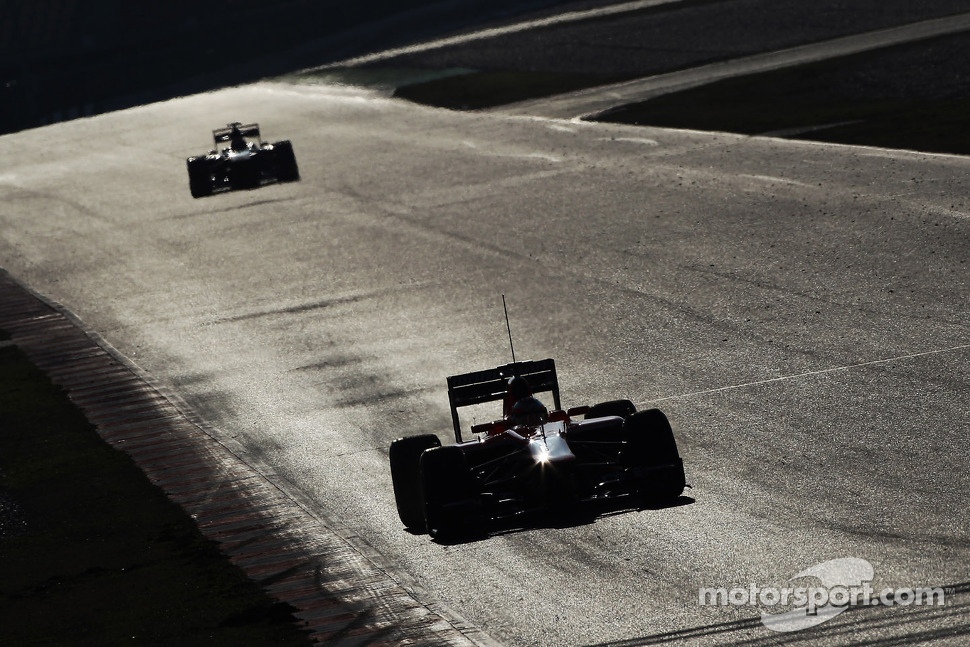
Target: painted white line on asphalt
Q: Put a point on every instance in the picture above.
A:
(823, 371)
(564, 18)
(591, 102)
(771, 179)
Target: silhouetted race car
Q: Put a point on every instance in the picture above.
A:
(532, 458)
(240, 160)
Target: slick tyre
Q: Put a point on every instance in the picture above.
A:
(200, 179)
(286, 168)
(405, 457)
(621, 408)
(452, 510)
(651, 448)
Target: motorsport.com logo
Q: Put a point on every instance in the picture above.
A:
(843, 583)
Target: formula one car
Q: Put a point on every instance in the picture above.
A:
(240, 160)
(532, 458)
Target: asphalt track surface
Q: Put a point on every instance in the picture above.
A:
(798, 310)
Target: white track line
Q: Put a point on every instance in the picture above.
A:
(590, 102)
(571, 16)
(812, 373)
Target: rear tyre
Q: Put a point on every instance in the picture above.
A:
(621, 408)
(452, 509)
(286, 168)
(405, 456)
(651, 451)
(200, 179)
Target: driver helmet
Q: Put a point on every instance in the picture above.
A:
(516, 388)
(528, 411)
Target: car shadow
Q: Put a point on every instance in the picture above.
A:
(584, 515)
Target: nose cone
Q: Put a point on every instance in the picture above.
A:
(551, 448)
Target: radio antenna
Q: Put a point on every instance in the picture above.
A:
(508, 327)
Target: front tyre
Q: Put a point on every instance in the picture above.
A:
(622, 408)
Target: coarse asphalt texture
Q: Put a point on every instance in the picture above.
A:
(955, 45)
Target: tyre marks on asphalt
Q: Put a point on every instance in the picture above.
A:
(340, 593)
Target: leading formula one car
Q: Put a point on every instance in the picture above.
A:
(240, 160)
(531, 458)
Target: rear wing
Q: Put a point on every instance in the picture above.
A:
(222, 135)
(490, 385)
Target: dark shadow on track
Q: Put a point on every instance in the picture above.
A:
(584, 515)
